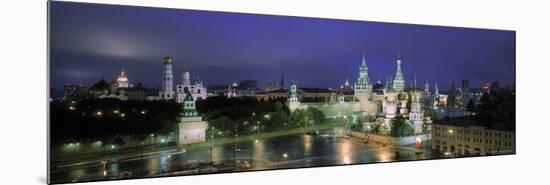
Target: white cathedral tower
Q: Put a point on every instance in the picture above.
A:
(196, 88)
(167, 86)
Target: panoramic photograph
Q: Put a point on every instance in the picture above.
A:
(140, 92)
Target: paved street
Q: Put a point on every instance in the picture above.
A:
(290, 151)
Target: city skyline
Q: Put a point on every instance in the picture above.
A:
(262, 48)
(184, 126)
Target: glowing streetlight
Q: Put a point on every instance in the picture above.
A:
(99, 113)
(142, 112)
(152, 141)
(285, 155)
(258, 130)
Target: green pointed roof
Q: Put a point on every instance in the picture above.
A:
(188, 97)
(363, 67)
(189, 109)
(398, 73)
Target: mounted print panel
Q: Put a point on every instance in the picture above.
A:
(139, 92)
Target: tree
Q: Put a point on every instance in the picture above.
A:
(471, 106)
(278, 106)
(400, 128)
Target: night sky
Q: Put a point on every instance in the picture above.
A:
(89, 42)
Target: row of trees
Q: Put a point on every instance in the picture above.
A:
(398, 128)
(99, 119)
(244, 115)
(107, 118)
(496, 110)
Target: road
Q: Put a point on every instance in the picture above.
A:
(290, 151)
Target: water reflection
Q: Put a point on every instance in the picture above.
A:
(345, 151)
(152, 166)
(259, 149)
(113, 168)
(327, 148)
(307, 144)
(217, 154)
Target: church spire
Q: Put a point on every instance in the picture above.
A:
(436, 90)
(426, 88)
(363, 80)
(414, 84)
(363, 68)
(399, 81)
(363, 62)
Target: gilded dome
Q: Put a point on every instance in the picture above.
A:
(167, 60)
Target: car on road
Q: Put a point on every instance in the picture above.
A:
(312, 132)
(125, 174)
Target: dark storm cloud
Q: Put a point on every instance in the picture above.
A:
(90, 42)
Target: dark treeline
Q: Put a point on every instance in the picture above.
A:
(106, 118)
(245, 115)
(103, 119)
(235, 108)
(494, 110)
(497, 109)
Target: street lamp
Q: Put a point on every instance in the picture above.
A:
(152, 141)
(212, 144)
(77, 151)
(258, 130)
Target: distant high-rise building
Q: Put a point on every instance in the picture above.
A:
(282, 82)
(248, 85)
(495, 85)
(271, 86)
(167, 86)
(465, 91)
(122, 80)
(74, 92)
